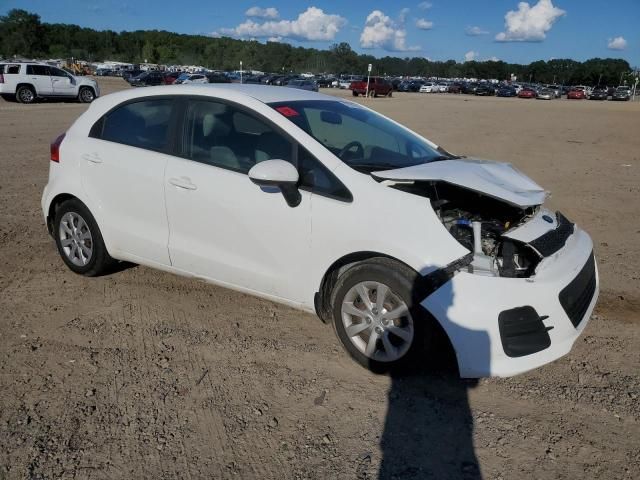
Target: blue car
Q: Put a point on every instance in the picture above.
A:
(506, 92)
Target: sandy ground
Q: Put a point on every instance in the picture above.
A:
(142, 374)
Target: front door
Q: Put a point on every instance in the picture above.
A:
(63, 83)
(224, 227)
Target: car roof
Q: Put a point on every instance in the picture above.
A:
(262, 93)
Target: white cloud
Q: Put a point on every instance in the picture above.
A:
(470, 55)
(274, 39)
(529, 24)
(312, 24)
(258, 12)
(425, 5)
(382, 32)
(493, 59)
(424, 24)
(403, 15)
(617, 43)
(475, 31)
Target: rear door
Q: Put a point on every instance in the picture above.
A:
(40, 77)
(123, 163)
(63, 83)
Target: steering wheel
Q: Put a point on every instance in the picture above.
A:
(349, 146)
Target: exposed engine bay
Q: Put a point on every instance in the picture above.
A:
(478, 222)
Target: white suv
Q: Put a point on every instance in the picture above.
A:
(27, 82)
(327, 206)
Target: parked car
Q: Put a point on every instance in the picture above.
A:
(557, 90)
(416, 85)
(506, 91)
(170, 77)
(427, 87)
(623, 92)
(103, 72)
(145, 79)
(128, 74)
(599, 93)
(527, 92)
(442, 87)
(217, 78)
(303, 84)
(377, 86)
(26, 82)
(325, 82)
(473, 251)
(485, 90)
(469, 87)
(194, 78)
(455, 88)
(576, 94)
(545, 94)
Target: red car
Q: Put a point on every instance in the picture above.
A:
(527, 93)
(377, 86)
(576, 94)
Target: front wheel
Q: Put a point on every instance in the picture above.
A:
(377, 316)
(354, 93)
(86, 95)
(79, 240)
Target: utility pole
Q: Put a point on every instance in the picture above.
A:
(240, 72)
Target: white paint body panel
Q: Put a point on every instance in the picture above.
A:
(231, 232)
(498, 180)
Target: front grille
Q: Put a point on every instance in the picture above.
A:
(554, 240)
(576, 297)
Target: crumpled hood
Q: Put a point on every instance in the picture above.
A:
(494, 179)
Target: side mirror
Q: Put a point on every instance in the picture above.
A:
(280, 174)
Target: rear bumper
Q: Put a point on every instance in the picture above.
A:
(469, 307)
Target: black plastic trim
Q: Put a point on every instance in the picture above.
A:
(552, 241)
(576, 297)
(523, 332)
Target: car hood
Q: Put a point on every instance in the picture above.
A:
(498, 180)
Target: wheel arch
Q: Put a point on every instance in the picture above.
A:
(27, 84)
(445, 355)
(323, 295)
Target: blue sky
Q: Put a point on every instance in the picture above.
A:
(438, 29)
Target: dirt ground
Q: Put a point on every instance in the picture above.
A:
(142, 374)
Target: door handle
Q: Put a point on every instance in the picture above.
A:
(92, 157)
(182, 182)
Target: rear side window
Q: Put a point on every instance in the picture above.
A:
(37, 70)
(143, 124)
(10, 69)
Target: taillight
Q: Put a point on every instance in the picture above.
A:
(55, 148)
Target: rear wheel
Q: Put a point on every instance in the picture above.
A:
(25, 94)
(354, 93)
(79, 240)
(377, 316)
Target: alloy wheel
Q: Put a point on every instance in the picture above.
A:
(377, 321)
(75, 239)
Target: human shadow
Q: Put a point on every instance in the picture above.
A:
(428, 431)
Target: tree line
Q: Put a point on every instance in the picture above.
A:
(23, 34)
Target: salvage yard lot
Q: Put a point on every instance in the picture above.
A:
(142, 374)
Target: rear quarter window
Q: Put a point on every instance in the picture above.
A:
(142, 124)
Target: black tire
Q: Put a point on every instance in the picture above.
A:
(99, 261)
(404, 282)
(354, 93)
(25, 94)
(86, 95)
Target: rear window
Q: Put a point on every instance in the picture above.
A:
(143, 124)
(10, 69)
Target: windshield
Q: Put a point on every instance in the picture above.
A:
(363, 139)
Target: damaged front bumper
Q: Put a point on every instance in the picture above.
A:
(502, 326)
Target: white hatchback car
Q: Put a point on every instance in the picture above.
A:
(322, 204)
